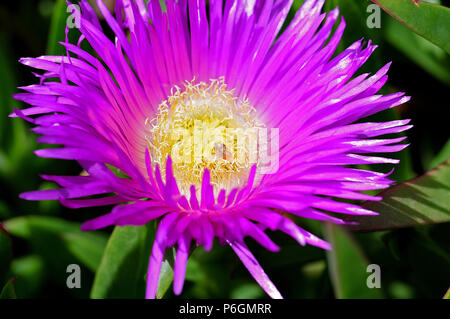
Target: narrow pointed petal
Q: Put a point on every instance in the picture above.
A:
(255, 269)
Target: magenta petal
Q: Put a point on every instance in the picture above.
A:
(180, 264)
(156, 258)
(255, 269)
(136, 214)
(154, 268)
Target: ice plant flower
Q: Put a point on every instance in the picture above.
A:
(191, 70)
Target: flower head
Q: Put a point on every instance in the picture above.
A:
(224, 126)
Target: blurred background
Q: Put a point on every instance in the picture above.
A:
(39, 239)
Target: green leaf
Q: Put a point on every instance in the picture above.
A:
(122, 271)
(348, 266)
(429, 20)
(165, 279)
(22, 226)
(18, 227)
(53, 236)
(8, 291)
(57, 28)
(428, 56)
(422, 200)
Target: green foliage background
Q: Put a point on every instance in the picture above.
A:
(39, 239)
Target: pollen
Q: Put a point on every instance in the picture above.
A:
(205, 126)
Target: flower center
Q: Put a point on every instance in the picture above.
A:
(203, 126)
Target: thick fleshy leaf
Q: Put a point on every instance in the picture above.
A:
(426, 19)
(423, 200)
(165, 279)
(122, 271)
(348, 266)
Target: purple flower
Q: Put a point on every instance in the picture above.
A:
(167, 102)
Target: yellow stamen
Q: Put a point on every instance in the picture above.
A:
(203, 126)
